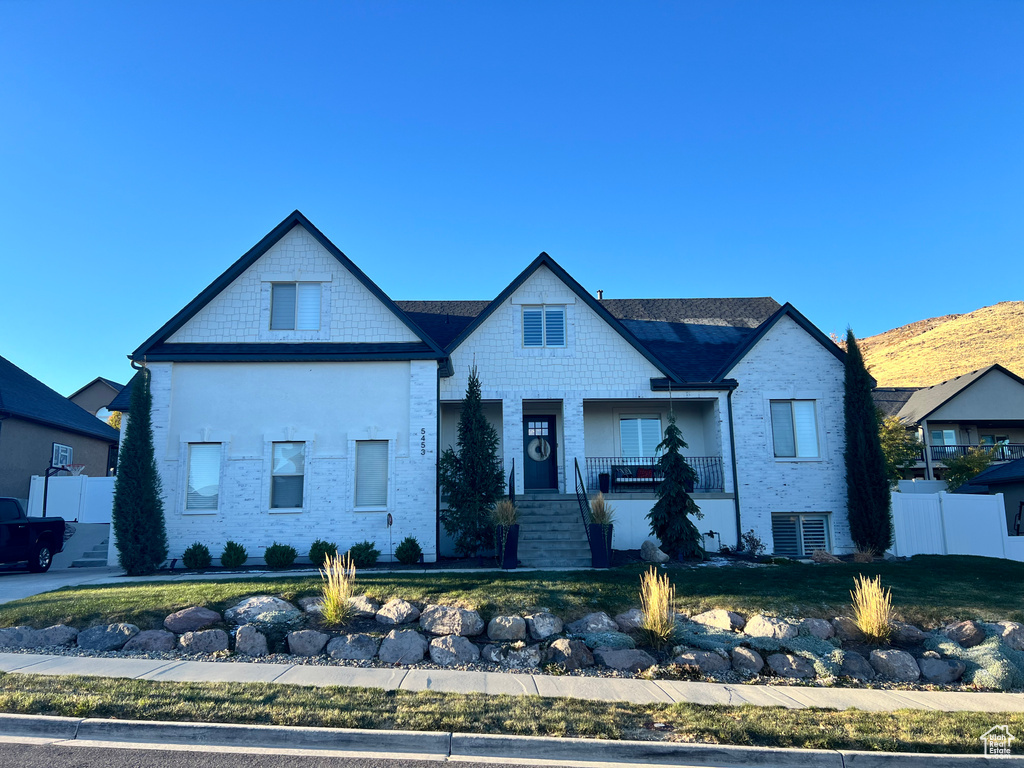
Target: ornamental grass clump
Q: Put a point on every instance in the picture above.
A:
(657, 600)
(339, 576)
(601, 512)
(872, 609)
(505, 513)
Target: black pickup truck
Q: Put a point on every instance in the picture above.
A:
(35, 539)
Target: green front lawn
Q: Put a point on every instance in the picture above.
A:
(269, 704)
(926, 590)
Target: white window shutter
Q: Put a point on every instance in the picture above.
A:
(533, 327)
(782, 428)
(806, 427)
(203, 476)
(372, 473)
(308, 313)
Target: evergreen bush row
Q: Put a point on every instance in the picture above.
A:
(364, 554)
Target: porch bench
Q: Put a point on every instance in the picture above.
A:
(633, 478)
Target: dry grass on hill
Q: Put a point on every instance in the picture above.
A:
(941, 348)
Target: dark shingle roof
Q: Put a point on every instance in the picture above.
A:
(23, 396)
(442, 320)
(925, 401)
(889, 400)
(1011, 472)
(124, 397)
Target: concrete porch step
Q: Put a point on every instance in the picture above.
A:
(90, 562)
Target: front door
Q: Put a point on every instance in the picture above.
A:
(541, 462)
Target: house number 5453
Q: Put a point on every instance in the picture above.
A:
(423, 441)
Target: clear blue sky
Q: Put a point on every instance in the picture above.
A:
(863, 160)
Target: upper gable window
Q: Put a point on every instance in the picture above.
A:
(544, 326)
(295, 306)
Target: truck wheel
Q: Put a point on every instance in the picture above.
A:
(42, 558)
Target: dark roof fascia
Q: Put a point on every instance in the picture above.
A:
(99, 379)
(667, 385)
(6, 413)
(982, 373)
(543, 260)
(250, 257)
(249, 353)
(445, 367)
(786, 310)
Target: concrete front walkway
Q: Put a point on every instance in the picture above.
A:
(452, 681)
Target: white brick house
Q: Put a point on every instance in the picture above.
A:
(294, 400)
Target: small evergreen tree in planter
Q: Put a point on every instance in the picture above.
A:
(138, 513)
(670, 516)
(472, 478)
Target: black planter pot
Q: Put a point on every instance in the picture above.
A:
(506, 546)
(604, 482)
(600, 545)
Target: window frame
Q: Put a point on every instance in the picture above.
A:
(273, 474)
(387, 477)
(296, 284)
(544, 309)
(791, 401)
(61, 447)
(641, 417)
(188, 477)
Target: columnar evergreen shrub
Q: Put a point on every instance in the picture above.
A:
(868, 502)
(471, 478)
(197, 556)
(409, 551)
(234, 555)
(279, 555)
(138, 513)
(670, 516)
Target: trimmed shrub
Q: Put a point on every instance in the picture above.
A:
(197, 556)
(279, 555)
(234, 555)
(320, 551)
(364, 554)
(409, 551)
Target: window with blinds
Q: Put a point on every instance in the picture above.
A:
(799, 535)
(288, 469)
(295, 306)
(639, 435)
(795, 428)
(371, 473)
(544, 326)
(203, 493)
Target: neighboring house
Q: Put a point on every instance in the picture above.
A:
(95, 396)
(294, 400)
(1007, 479)
(984, 408)
(40, 428)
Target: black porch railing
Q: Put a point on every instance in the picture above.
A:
(641, 474)
(1001, 452)
(582, 500)
(512, 483)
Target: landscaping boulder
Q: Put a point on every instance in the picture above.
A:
(706, 662)
(630, 660)
(846, 629)
(204, 641)
(19, 637)
(58, 634)
(941, 671)
(543, 625)
(967, 633)
(895, 665)
(516, 658)
(507, 628)
(363, 607)
(312, 604)
(906, 635)
(360, 647)
(397, 611)
(107, 637)
(788, 665)
(448, 620)
(818, 628)
(152, 641)
(306, 642)
(821, 556)
(720, 619)
(191, 619)
(856, 666)
(452, 651)
(403, 646)
(249, 641)
(598, 621)
(264, 609)
(613, 640)
(571, 654)
(760, 625)
(630, 620)
(651, 553)
(747, 661)
(1012, 635)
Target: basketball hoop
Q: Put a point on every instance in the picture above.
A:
(74, 469)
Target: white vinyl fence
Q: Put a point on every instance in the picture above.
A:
(952, 524)
(82, 499)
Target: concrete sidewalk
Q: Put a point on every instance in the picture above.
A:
(454, 681)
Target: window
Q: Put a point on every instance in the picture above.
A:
(943, 437)
(794, 428)
(544, 326)
(287, 474)
(295, 306)
(203, 477)
(62, 455)
(799, 535)
(371, 473)
(639, 435)
(994, 439)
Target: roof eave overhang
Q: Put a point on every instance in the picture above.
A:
(670, 385)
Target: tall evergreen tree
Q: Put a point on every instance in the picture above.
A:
(138, 514)
(471, 478)
(868, 503)
(670, 516)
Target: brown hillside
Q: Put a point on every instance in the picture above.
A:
(941, 348)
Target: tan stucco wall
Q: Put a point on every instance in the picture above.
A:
(26, 448)
(95, 396)
(995, 396)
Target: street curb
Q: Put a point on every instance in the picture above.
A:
(45, 726)
(921, 760)
(288, 737)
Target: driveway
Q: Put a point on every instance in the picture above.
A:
(16, 583)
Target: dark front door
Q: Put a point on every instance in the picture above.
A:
(541, 460)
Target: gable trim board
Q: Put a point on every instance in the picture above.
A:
(299, 351)
(249, 258)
